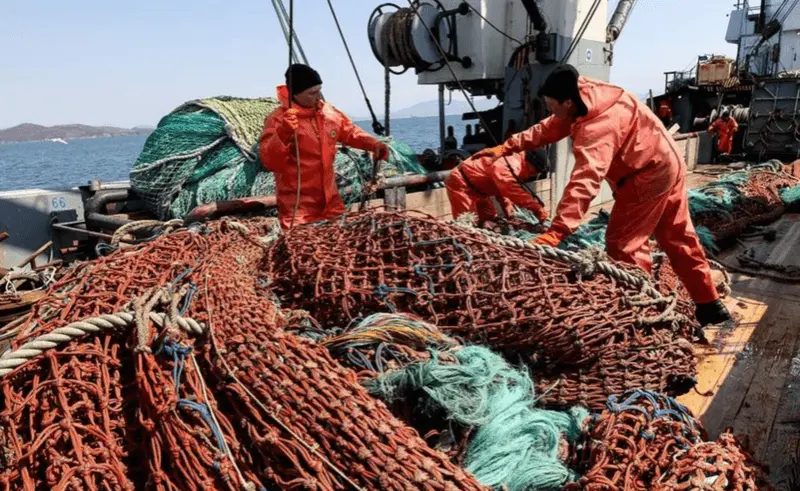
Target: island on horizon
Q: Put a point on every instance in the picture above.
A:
(28, 132)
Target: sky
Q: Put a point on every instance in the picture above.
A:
(128, 63)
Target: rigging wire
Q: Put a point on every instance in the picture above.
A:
(376, 125)
(784, 15)
(291, 97)
(489, 23)
(280, 12)
(581, 30)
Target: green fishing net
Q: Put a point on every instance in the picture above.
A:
(207, 150)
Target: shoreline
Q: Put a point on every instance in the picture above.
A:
(98, 137)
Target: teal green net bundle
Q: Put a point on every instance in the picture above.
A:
(207, 150)
(515, 445)
(722, 200)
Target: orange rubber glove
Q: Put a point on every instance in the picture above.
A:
(381, 152)
(289, 125)
(550, 238)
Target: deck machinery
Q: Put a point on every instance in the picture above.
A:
(502, 49)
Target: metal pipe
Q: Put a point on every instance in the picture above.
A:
(94, 209)
(32, 257)
(618, 20)
(70, 227)
(97, 185)
(441, 121)
(686, 136)
(262, 203)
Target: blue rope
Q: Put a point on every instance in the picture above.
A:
(663, 406)
(102, 249)
(188, 298)
(383, 291)
(445, 240)
(179, 353)
(180, 277)
(418, 270)
(206, 415)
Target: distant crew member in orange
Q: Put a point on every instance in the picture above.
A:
(665, 112)
(316, 127)
(471, 185)
(617, 138)
(724, 127)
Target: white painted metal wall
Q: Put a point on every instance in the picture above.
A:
(741, 30)
(490, 50)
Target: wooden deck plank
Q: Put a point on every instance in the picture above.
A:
(783, 451)
(433, 202)
(749, 371)
(771, 361)
(783, 251)
(717, 361)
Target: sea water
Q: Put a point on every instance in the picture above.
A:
(52, 165)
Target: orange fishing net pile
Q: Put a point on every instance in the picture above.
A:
(183, 363)
(143, 401)
(647, 441)
(584, 333)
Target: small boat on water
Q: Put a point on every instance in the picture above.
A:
(58, 140)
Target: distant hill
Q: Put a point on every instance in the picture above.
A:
(33, 132)
(431, 108)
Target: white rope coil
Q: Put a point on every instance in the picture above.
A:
(589, 261)
(12, 359)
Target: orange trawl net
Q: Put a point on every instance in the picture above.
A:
(147, 402)
(645, 441)
(515, 300)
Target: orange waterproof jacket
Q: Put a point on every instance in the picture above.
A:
(319, 130)
(493, 177)
(725, 131)
(664, 110)
(619, 140)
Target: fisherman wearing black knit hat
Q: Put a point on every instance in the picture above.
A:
(562, 86)
(305, 84)
(299, 144)
(616, 138)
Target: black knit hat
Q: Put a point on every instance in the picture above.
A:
(561, 84)
(301, 77)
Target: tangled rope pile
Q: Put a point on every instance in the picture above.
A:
(130, 374)
(729, 206)
(19, 290)
(583, 324)
(648, 441)
(177, 364)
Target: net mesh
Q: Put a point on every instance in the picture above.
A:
(648, 441)
(149, 404)
(519, 302)
(720, 210)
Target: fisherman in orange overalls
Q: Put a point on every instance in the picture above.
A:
(724, 127)
(315, 127)
(665, 112)
(617, 138)
(471, 185)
